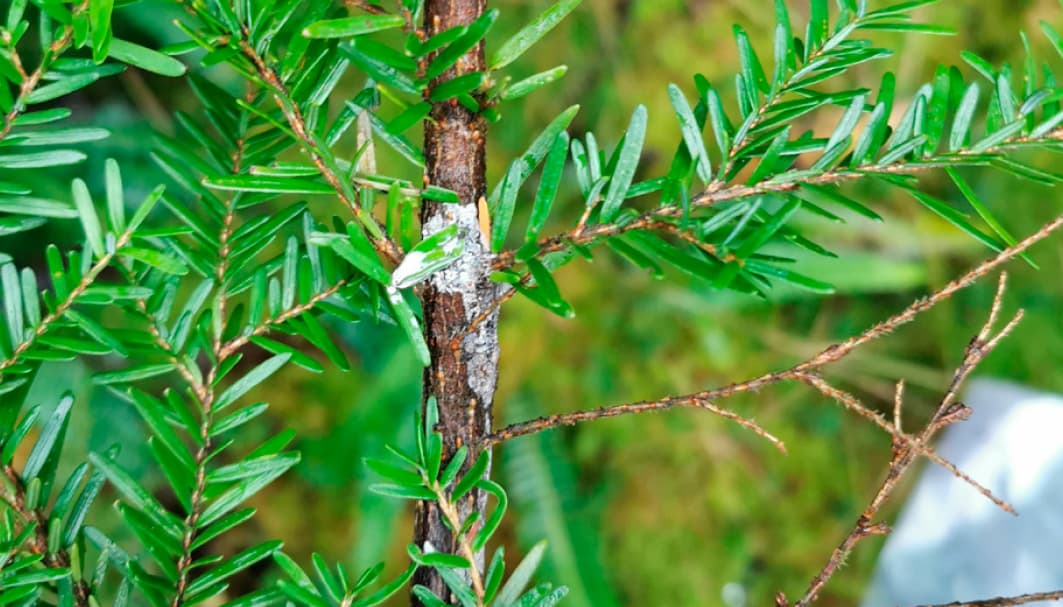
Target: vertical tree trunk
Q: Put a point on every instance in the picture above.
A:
(462, 379)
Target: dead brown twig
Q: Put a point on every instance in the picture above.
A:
(948, 412)
(1009, 601)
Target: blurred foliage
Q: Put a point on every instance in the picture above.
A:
(673, 506)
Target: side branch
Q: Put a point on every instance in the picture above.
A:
(384, 245)
(571, 419)
(802, 371)
(947, 412)
(719, 192)
(1009, 601)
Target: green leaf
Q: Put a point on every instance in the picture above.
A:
(456, 87)
(253, 378)
(61, 136)
(549, 183)
(298, 358)
(132, 374)
(688, 124)
(352, 26)
(454, 466)
(240, 492)
(627, 163)
(96, 331)
(14, 224)
(848, 122)
(100, 294)
(546, 292)
(908, 27)
(14, 437)
(502, 214)
(89, 221)
(441, 559)
(363, 58)
(832, 194)
(232, 566)
(537, 151)
(115, 195)
(222, 525)
(984, 213)
(520, 578)
(39, 207)
(156, 259)
(474, 33)
(255, 466)
(495, 518)
(400, 475)
(356, 250)
(427, 597)
(146, 59)
(405, 492)
(752, 71)
(532, 83)
(531, 33)
(387, 590)
(156, 418)
(961, 123)
(956, 218)
(74, 521)
(12, 288)
(268, 185)
(429, 256)
(137, 496)
(42, 461)
(14, 579)
(40, 160)
(145, 208)
(475, 473)
(61, 87)
(800, 280)
(399, 143)
(407, 321)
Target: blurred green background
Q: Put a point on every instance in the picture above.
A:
(656, 510)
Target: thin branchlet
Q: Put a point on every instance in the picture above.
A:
(384, 245)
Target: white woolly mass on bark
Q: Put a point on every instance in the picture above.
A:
(469, 277)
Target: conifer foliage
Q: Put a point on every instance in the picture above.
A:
(202, 275)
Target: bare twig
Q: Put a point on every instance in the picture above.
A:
(571, 419)
(1009, 601)
(948, 411)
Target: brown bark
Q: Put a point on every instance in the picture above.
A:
(462, 376)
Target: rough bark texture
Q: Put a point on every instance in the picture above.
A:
(462, 379)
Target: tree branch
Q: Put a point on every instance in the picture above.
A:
(37, 543)
(381, 242)
(948, 412)
(807, 372)
(577, 417)
(31, 80)
(718, 192)
(1010, 601)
